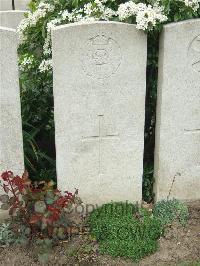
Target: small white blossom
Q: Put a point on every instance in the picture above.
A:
(26, 63)
(108, 13)
(45, 65)
(194, 4)
(65, 14)
(32, 18)
(126, 10)
(88, 9)
(149, 17)
(47, 42)
(146, 16)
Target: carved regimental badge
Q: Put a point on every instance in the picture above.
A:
(101, 57)
(194, 54)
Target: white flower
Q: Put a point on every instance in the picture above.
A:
(32, 18)
(26, 63)
(47, 42)
(194, 4)
(126, 10)
(146, 16)
(108, 13)
(65, 14)
(88, 9)
(149, 17)
(45, 65)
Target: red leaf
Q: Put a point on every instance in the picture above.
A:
(35, 218)
(6, 175)
(51, 209)
(18, 182)
(54, 217)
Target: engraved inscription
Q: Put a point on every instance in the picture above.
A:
(101, 57)
(194, 54)
(100, 137)
(193, 131)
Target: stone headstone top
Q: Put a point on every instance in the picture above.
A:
(19, 5)
(11, 19)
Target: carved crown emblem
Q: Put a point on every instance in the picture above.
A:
(100, 40)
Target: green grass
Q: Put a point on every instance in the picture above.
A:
(125, 230)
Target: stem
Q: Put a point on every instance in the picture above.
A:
(3, 188)
(12, 189)
(170, 190)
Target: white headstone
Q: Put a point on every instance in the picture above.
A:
(177, 153)
(19, 5)
(11, 144)
(11, 19)
(99, 95)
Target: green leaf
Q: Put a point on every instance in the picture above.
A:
(4, 198)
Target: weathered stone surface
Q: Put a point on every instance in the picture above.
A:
(11, 145)
(99, 95)
(11, 19)
(177, 153)
(19, 4)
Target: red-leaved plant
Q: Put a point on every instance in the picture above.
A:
(38, 207)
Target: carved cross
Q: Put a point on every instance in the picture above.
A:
(196, 53)
(100, 138)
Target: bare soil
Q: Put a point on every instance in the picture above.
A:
(179, 246)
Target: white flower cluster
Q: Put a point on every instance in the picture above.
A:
(147, 16)
(127, 10)
(194, 4)
(32, 18)
(26, 63)
(45, 65)
(47, 42)
(90, 12)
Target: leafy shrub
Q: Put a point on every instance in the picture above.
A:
(168, 211)
(123, 229)
(37, 211)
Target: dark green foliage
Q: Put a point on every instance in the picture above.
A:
(168, 211)
(38, 123)
(130, 249)
(125, 230)
(147, 184)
